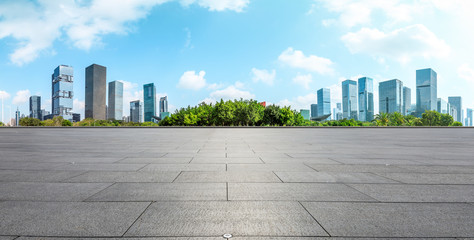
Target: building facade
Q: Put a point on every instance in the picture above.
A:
(366, 99)
(349, 99)
(115, 106)
(164, 104)
(314, 110)
(17, 117)
(406, 101)
(468, 117)
(391, 96)
(456, 102)
(324, 101)
(62, 91)
(35, 107)
(149, 98)
(443, 106)
(426, 90)
(96, 87)
(136, 111)
(305, 113)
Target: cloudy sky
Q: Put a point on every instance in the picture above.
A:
(279, 51)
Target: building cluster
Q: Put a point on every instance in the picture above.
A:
(358, 100)
(95, 99)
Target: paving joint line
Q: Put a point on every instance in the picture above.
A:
(137, 219)
(315, 219)
(87, 199)
(179, 174)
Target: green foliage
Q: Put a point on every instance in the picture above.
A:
(31, 122)
(382, 119)
(271, 115)
(456, 124)
(2, 124)
(66, 123)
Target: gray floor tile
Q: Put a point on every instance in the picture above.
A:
(299, 160)
(216, 218)
(156, 160)
(438, 169)
(292, 167)
(200, 160)
(225, 176)
(184, 167)
(36, 176)
(394, 219)
(357, 168)
(100, 167)
(431, 178)
(96, 176)
(342, 177)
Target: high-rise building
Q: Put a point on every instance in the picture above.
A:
(456, 102)
(453, 112)
(366, 99)
(96, 87)
(62, 91)
(314, 110)
(149, 99)
(406, 101)
(164, 104)
(76, 117)
(426, 90)
(324, 101)
(469, 117)
(136, 111)
(391, 96)
(349, 99)
(443, 106)
(115, 106)
(17, 117)
(305, 114)
(338, 114)
(35, 107)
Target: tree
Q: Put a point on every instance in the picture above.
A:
(456, 124)
(446, 120)
(431, 118)
(396, 119)
(271, 115)
(32, 122)
(2, 124)
(381, 119)
(287, 117)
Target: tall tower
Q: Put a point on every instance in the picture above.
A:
(366, 99)
(406, 100)
(62, 91)
(391, 96)
(456, 102)
(115, 107)
(349, 99)
(426, 90)
(324, 101)
(96, 86)
(136, 111)
(149, 99)
(164, 104)
(35, 107)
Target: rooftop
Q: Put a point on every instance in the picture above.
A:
(253, 183)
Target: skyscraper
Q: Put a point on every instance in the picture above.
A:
(62, 91)
(349, 99)
(115, 106)
(149, 98)
(338, 114)
(391, 96)
(136, 111)
(406, 101)
(443, 106)
(35, 107)
(17, 117)
(426, 90)
(314, 110)
(164, 104)
(366, 99)
(305, 114)
(456, 102)
(468, 117)
(96, 86)
(324, 102)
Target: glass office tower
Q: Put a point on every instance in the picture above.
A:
(314, 110)
(443, 106)
(391, 96)
(468, 117)
(349, 99)
(366, 99)
(406, 101)
(426, 90)
(149, 98)
(35, 107)
(62, 92)
(324, 101)
(96, 87)
(136, 111)
(305, 114)
(115, 107)
(456, 102)
(164, 104)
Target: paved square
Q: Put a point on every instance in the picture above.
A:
(254, 183)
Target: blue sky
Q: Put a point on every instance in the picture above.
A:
(279, 51)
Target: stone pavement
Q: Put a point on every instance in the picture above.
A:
(254, 183)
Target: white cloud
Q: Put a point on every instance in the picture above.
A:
(78, 105)
(401, 44)
(35, 25)
(263, 75)
(230, 93)
(131, 92)
(193, 81)
(21, 97)
(303, 80)
(297, 59)
(4, 95)
(466, 72)
(300, 102)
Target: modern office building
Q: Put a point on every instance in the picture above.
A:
(164, 104)
(305, 114)
(324, 102)
(115, 106)
(62, 91)
(149, 98)
(163, 115)
(443, 106)
(349, 99)
(391, 96)
(366, 99)
(96, 87)
(314, 110)
(136, 111)
(456, 102)
(406, 101)
(468, 118)
(338, 114)
(35, 107)
(426, 90)
(76, 117)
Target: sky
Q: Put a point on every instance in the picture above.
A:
(278, 51)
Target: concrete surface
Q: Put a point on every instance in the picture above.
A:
(254, 183)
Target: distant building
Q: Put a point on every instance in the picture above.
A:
(391, 96)
(136, 111)
(324, 102)
(406, 101)
(76, 117)
(163, 115)
(35, 107)
(314, 110)
(149, 98)
(62, 91)
(115, 106)
(17, 117)
(338, 112)
(426, 90)
(305, 114)
(469, 117)
(164, 104)
(349, 100)
(366, 99)
(443, 106)
(456, 102)
(96, 87)
(264, 104)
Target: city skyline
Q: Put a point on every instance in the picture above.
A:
(207, 51)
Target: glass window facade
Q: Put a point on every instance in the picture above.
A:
(390, 96)
(62, 91)
(349, 99)
(35, 107)
(136, 111)
(456, 102)
(314, 110)
(443, 106)
(366, 99)
(468, 117)
(115, 107)
(96, 91)
(324, 102)
(426, 90)
(164, 104)
(149, 98)
(406, 101)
